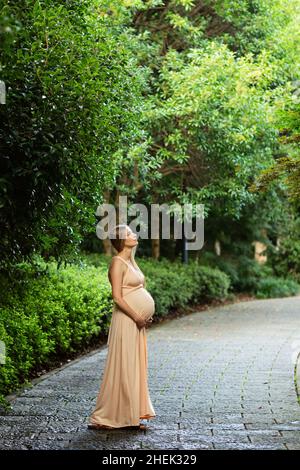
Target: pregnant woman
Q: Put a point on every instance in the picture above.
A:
(124, 396)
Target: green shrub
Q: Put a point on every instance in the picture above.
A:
(214, 284)
(286, 260)
(250, 274)
(245, 273)
(272, 287)
(45, 313)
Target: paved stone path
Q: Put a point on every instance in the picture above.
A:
(219, 379)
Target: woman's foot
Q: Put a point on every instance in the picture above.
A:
(141, 426)
(99, 426)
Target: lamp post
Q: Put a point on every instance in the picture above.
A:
(184, 249)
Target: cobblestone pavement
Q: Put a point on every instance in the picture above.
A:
(223, 378)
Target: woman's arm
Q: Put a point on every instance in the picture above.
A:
(116, 271)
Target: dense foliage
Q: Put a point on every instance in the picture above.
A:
(72, 100)
(164, 101)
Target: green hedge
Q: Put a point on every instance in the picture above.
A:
(45, 313)
(272, 287)
(286, 260)
(49, 313)
(246, 275)
(174, 285)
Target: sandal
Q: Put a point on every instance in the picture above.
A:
(99, 426)
(141, 426)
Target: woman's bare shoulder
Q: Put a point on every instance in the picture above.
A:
(116, 261)
(115, 266)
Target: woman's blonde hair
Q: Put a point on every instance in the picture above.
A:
(118, 242)
(116, 238)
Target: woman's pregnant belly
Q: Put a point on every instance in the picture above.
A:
(141, 302)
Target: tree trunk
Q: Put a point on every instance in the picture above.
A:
(155, 243)
(217, 247)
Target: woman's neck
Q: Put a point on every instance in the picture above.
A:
(125, 255)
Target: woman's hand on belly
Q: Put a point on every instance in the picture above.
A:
(149, 321)
(141, 323)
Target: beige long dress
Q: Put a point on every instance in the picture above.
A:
(124, 396)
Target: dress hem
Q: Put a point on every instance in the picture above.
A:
(122, 425)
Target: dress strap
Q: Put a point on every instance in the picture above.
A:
(128, 265)
(122, 259)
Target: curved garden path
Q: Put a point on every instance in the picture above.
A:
(224, 378)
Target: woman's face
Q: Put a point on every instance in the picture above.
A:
(131, 239)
